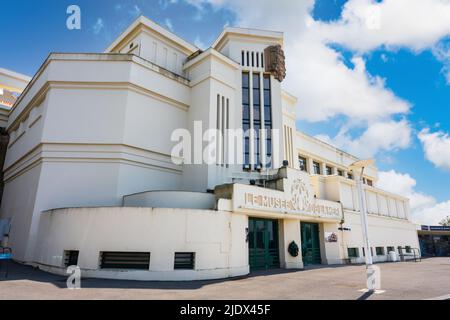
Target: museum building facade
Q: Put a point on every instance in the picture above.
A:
(91, 179)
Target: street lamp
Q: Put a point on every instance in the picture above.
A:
(356, 167)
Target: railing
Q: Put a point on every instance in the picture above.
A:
(415, 254)
(5, 255)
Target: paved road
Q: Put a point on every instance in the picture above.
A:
(408, 280)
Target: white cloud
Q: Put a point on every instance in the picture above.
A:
(367, 24)
(379, 136)
(168, 24)
(199, 43)
(424, 208)
(326, 84)
(436, 146)
(98, 26)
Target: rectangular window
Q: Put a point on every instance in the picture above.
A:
(268, 118)
(248, 59)
(350, 176)
(340, 173)
(369, 182)
(184, 261)
(71, 258)
(246, 115)
(257, 59)
(257, 117)
(125, 260)
(389, 249)
(353, 252)
(329, 171)
(316, 167)
(302, 164)
(253, 59)
(379, 251)
(408, 249)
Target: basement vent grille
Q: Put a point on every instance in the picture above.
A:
(184, 261)
(125, 260)
(71, 258)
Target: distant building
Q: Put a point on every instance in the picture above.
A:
(11, 86)
(434, 241)
(91, 179)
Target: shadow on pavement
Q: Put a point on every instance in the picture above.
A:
(18, 272)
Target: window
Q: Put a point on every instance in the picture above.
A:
(257, 117)
(379, 251)
(408, 249)
(364, 252)
(302, 163)
(389, 249)
(246, 115)
(350, 176)
(184, 261)
(329, 171)
(71, 258)
(316, 167)
(125, 260)
(369, 182)
(353, 252)
(340, 173)
(268, 118)
(242, 57)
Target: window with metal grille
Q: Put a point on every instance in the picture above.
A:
(316, 168)
(71, 258)
(125, 260)
(184, 260)
(379, 251)
(302, 163)
(353, 252)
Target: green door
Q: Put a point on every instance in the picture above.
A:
(310, 243)
(263, 244)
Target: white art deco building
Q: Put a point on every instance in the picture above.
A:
(90, 180)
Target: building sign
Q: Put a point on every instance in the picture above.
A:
(297, 198)
(275, 62)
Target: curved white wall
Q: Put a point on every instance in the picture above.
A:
(171, 199)
(217, 238)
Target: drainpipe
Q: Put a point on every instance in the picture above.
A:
(342, 230)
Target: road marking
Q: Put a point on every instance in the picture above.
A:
(376, 291)
(446, 297)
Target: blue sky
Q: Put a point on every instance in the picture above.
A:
(412, 73)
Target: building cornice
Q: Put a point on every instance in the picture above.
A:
(247, 33)
(153, 27)
(94, 57)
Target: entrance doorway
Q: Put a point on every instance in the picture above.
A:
(263, 244)
(310, 243)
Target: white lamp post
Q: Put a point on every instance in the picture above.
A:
(358, 169)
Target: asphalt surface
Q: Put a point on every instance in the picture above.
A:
(429, 279)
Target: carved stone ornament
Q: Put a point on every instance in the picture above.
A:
(275, 62)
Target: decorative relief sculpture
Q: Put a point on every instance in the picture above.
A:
(275, 62)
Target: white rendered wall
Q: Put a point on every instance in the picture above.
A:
(383, 232)
(217, 238)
